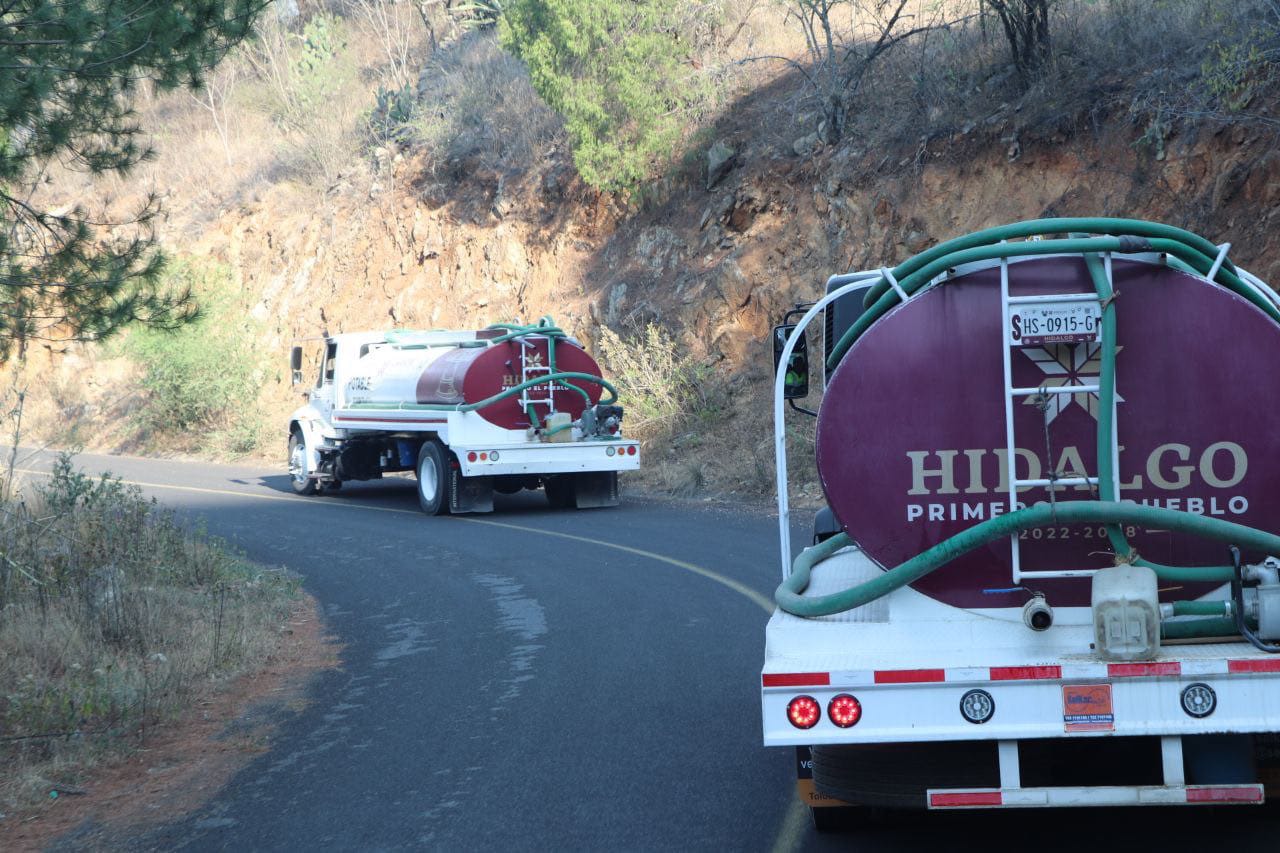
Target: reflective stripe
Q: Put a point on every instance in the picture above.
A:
(1025, 673)
(795, 679)
(1143, 670)
(1219, 794)
(1244, 666)
(909, 676)
(966, 798)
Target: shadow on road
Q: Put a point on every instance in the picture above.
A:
(400, 492)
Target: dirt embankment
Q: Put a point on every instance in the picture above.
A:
(717, 267)
(403, 244)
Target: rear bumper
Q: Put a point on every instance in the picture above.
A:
(900, 706)
(547, 458)
(1131, 795)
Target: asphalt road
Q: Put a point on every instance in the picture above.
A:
(536, 680)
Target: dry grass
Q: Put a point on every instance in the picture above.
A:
(477, 105)
(112, 617)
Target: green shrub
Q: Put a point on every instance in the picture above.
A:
(660, 385)
(618, 71)
(1240, 61)
(200, 377)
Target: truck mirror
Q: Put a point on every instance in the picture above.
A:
(795, 382)
(295, 364)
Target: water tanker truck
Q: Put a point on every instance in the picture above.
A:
(1048, 571)
(471, 413)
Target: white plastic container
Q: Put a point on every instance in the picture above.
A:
(1126, 613)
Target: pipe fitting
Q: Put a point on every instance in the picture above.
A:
(1037, 614)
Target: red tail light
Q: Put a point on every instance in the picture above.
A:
(631, 450)
(471, 457)
(804, 712)
(844, 710)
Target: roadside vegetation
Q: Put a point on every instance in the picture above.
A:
(199, 382)
(668, 400)
(113, 619)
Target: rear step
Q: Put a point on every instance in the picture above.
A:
(1132, 795)
(1174, 792)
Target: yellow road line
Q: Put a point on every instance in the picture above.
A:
(741, 589)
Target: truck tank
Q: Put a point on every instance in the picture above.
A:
(464, 368)
(911, 438)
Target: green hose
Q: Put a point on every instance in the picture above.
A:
(1106, 469)
(1037, 227)
(1198, 628)
(790, 598)
(1201, 608)
(922, 275)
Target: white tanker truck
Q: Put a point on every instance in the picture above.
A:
(471, 413)
(1001, 609)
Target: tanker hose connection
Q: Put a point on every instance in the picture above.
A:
(1184, 250)
(1037, 614)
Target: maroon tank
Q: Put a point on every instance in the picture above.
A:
(911, 435)
(473, 374)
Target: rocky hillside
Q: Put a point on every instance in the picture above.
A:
(712, 256)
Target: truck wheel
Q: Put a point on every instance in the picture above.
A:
(299, 476)
(433, 475)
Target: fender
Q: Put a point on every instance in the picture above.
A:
(308, 421)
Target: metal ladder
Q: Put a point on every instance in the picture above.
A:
(529, 371)
(1012, 393)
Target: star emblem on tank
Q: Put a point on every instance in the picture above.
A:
(1067, 364)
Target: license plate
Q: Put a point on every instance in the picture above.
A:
(1054, 323)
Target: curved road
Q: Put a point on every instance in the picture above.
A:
(533, 680)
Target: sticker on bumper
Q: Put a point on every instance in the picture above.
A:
(1087, 708)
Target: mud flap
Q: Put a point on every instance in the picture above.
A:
(470, 494)
(805, 788)
(597, 488)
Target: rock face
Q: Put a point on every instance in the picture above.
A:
(805, 145)
(466, 250)
(720, 159)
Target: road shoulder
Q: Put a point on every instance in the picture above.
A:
(183, 763)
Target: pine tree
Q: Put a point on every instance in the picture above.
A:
(69, 72)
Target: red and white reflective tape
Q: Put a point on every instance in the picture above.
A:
(1136, 795)
(1048, 672)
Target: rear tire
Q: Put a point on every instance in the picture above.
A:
(299, 476)
(433, 473)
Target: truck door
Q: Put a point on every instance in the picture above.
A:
(322, 398)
